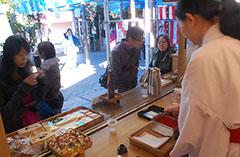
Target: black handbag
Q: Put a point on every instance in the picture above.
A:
(104, 78)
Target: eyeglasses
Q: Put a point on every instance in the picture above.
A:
(162, 42)
(140, 40)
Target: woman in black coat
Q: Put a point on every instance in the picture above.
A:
(21, 90)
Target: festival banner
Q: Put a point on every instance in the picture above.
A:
(122, 28)
(171, 12)
(162, 12)
(162, 27)
(173, 32)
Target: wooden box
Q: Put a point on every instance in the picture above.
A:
(161, 150)
(39, 139)
(75, 141)
(26, 131)
(117, 98)
(98, 119)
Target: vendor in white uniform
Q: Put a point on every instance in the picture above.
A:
(209, 112)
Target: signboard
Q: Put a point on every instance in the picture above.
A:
(122, 28)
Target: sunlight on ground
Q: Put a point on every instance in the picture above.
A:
(70, 77)
(103, 64)
(142, 67)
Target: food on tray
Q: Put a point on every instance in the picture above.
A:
(49, 126)
(17, 143)
(78, 114)
(169, 76)
(69, 143)
(85, 119)
(83, 110)
(93, 115)
(32, 140)
(40, 137)
(63, 120)
(29, 129)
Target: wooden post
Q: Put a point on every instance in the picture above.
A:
(100, 31)
(85, 34)
(181, 57)
(3, 141)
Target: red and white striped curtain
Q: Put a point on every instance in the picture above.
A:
(169, 22)
(162, 12)
(173, 33)
(171, 11)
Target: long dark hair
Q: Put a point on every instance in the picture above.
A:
(11, 48)
(227, 10)
(46, 50)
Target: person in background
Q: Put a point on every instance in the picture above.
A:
(162, 57)
(71, 44)
(21, 90)
(209, 119)
(54, 97)
(125, 60)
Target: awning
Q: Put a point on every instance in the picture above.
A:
(33, 6)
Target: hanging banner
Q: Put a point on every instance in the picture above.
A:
(173, 33)
(162, 27)
(122, 28)
(172, 12)
(162, 12)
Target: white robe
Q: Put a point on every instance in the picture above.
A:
(210, 98)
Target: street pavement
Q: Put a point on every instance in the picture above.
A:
(80, 85)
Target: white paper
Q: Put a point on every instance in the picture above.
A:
(163, 129)
(151, 140)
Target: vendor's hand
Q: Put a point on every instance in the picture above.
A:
(173, 110)
(31, 80)
(40, 74)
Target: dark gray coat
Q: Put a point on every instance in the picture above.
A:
(54, 98)
(124, 66)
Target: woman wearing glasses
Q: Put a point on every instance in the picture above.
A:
(162, 57)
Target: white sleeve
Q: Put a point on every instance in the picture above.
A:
(202, 132)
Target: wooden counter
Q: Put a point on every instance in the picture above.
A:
(131, 100)
(105, 144)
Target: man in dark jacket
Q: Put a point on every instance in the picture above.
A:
(125, 60)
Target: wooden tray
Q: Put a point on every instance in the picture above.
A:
(84, 126)
(170, 76)
(117, 98)
(163, 150)
(80, 128)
